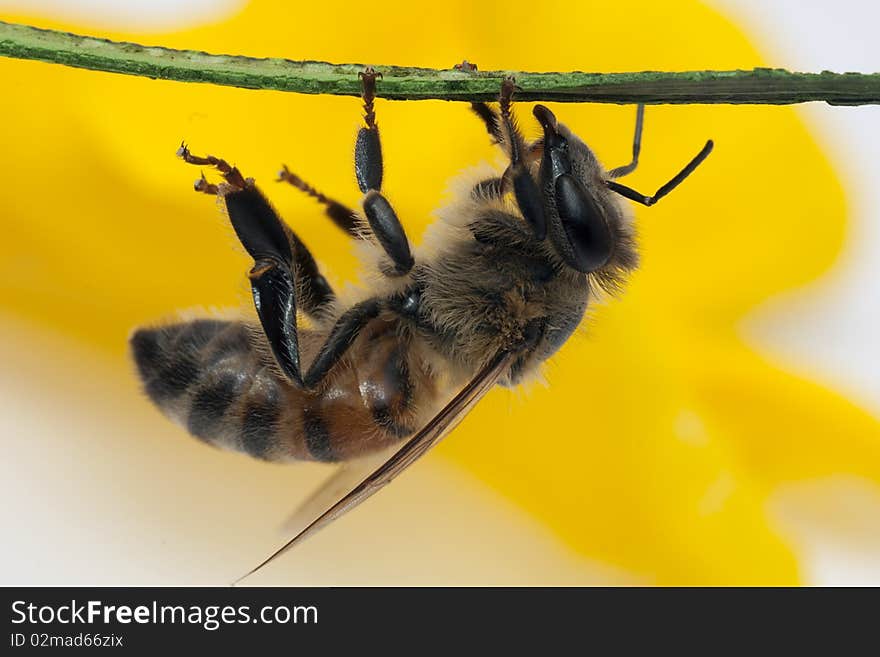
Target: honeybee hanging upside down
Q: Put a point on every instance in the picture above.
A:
(502, 282)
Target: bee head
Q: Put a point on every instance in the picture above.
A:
(583, 217)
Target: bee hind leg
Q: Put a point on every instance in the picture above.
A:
(385, 225)
(262, 232)
(285, 276)
(230, 173)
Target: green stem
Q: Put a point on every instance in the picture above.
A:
(758, 86)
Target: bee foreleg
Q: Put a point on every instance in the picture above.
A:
(626, 169)
(341, 337)
(368, 168)
(525, 189)
(675, 181)
(627, 192)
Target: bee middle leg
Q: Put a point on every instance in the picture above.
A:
(368, 169)
(383, 220)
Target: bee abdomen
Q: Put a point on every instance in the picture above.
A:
(369, 408)
(206, 376)
(170, 358)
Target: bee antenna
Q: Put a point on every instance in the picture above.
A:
(638, 197)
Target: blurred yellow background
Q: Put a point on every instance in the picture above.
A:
(649, 458)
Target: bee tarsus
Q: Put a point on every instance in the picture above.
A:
(230, 173)
(675, 181)
(342, 216)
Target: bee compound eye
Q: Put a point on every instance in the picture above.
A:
(589, 238)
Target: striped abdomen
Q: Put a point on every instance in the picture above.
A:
(208, 376)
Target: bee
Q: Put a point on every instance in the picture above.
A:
(502, 280)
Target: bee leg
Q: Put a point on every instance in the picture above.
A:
(525, 189)
(486, 114)
(675, 181)
(368, 169)
(275, 299)
(626, 169)
(313, 292)
(490, 119)
(202, 185)
(243, 203)
(341, 337)
(269, 242)
(343, 217)
(230, 173)
(273, 285)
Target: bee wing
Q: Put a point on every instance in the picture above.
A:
(432, 433)
(346, 476)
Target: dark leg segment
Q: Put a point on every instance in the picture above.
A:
(496, 127)
(487, 115)
(525, 189)
(257, 226)
(676, 180)
(231, 174)
(625, 170)
(266, 238)
(341, 215)
(490, 120)
(386, 226)
(261, 231)
(272, 284)
(275, 300)
(368, 169)
(343, 334)
(368, 147)
(277, 252)
(314, 291)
